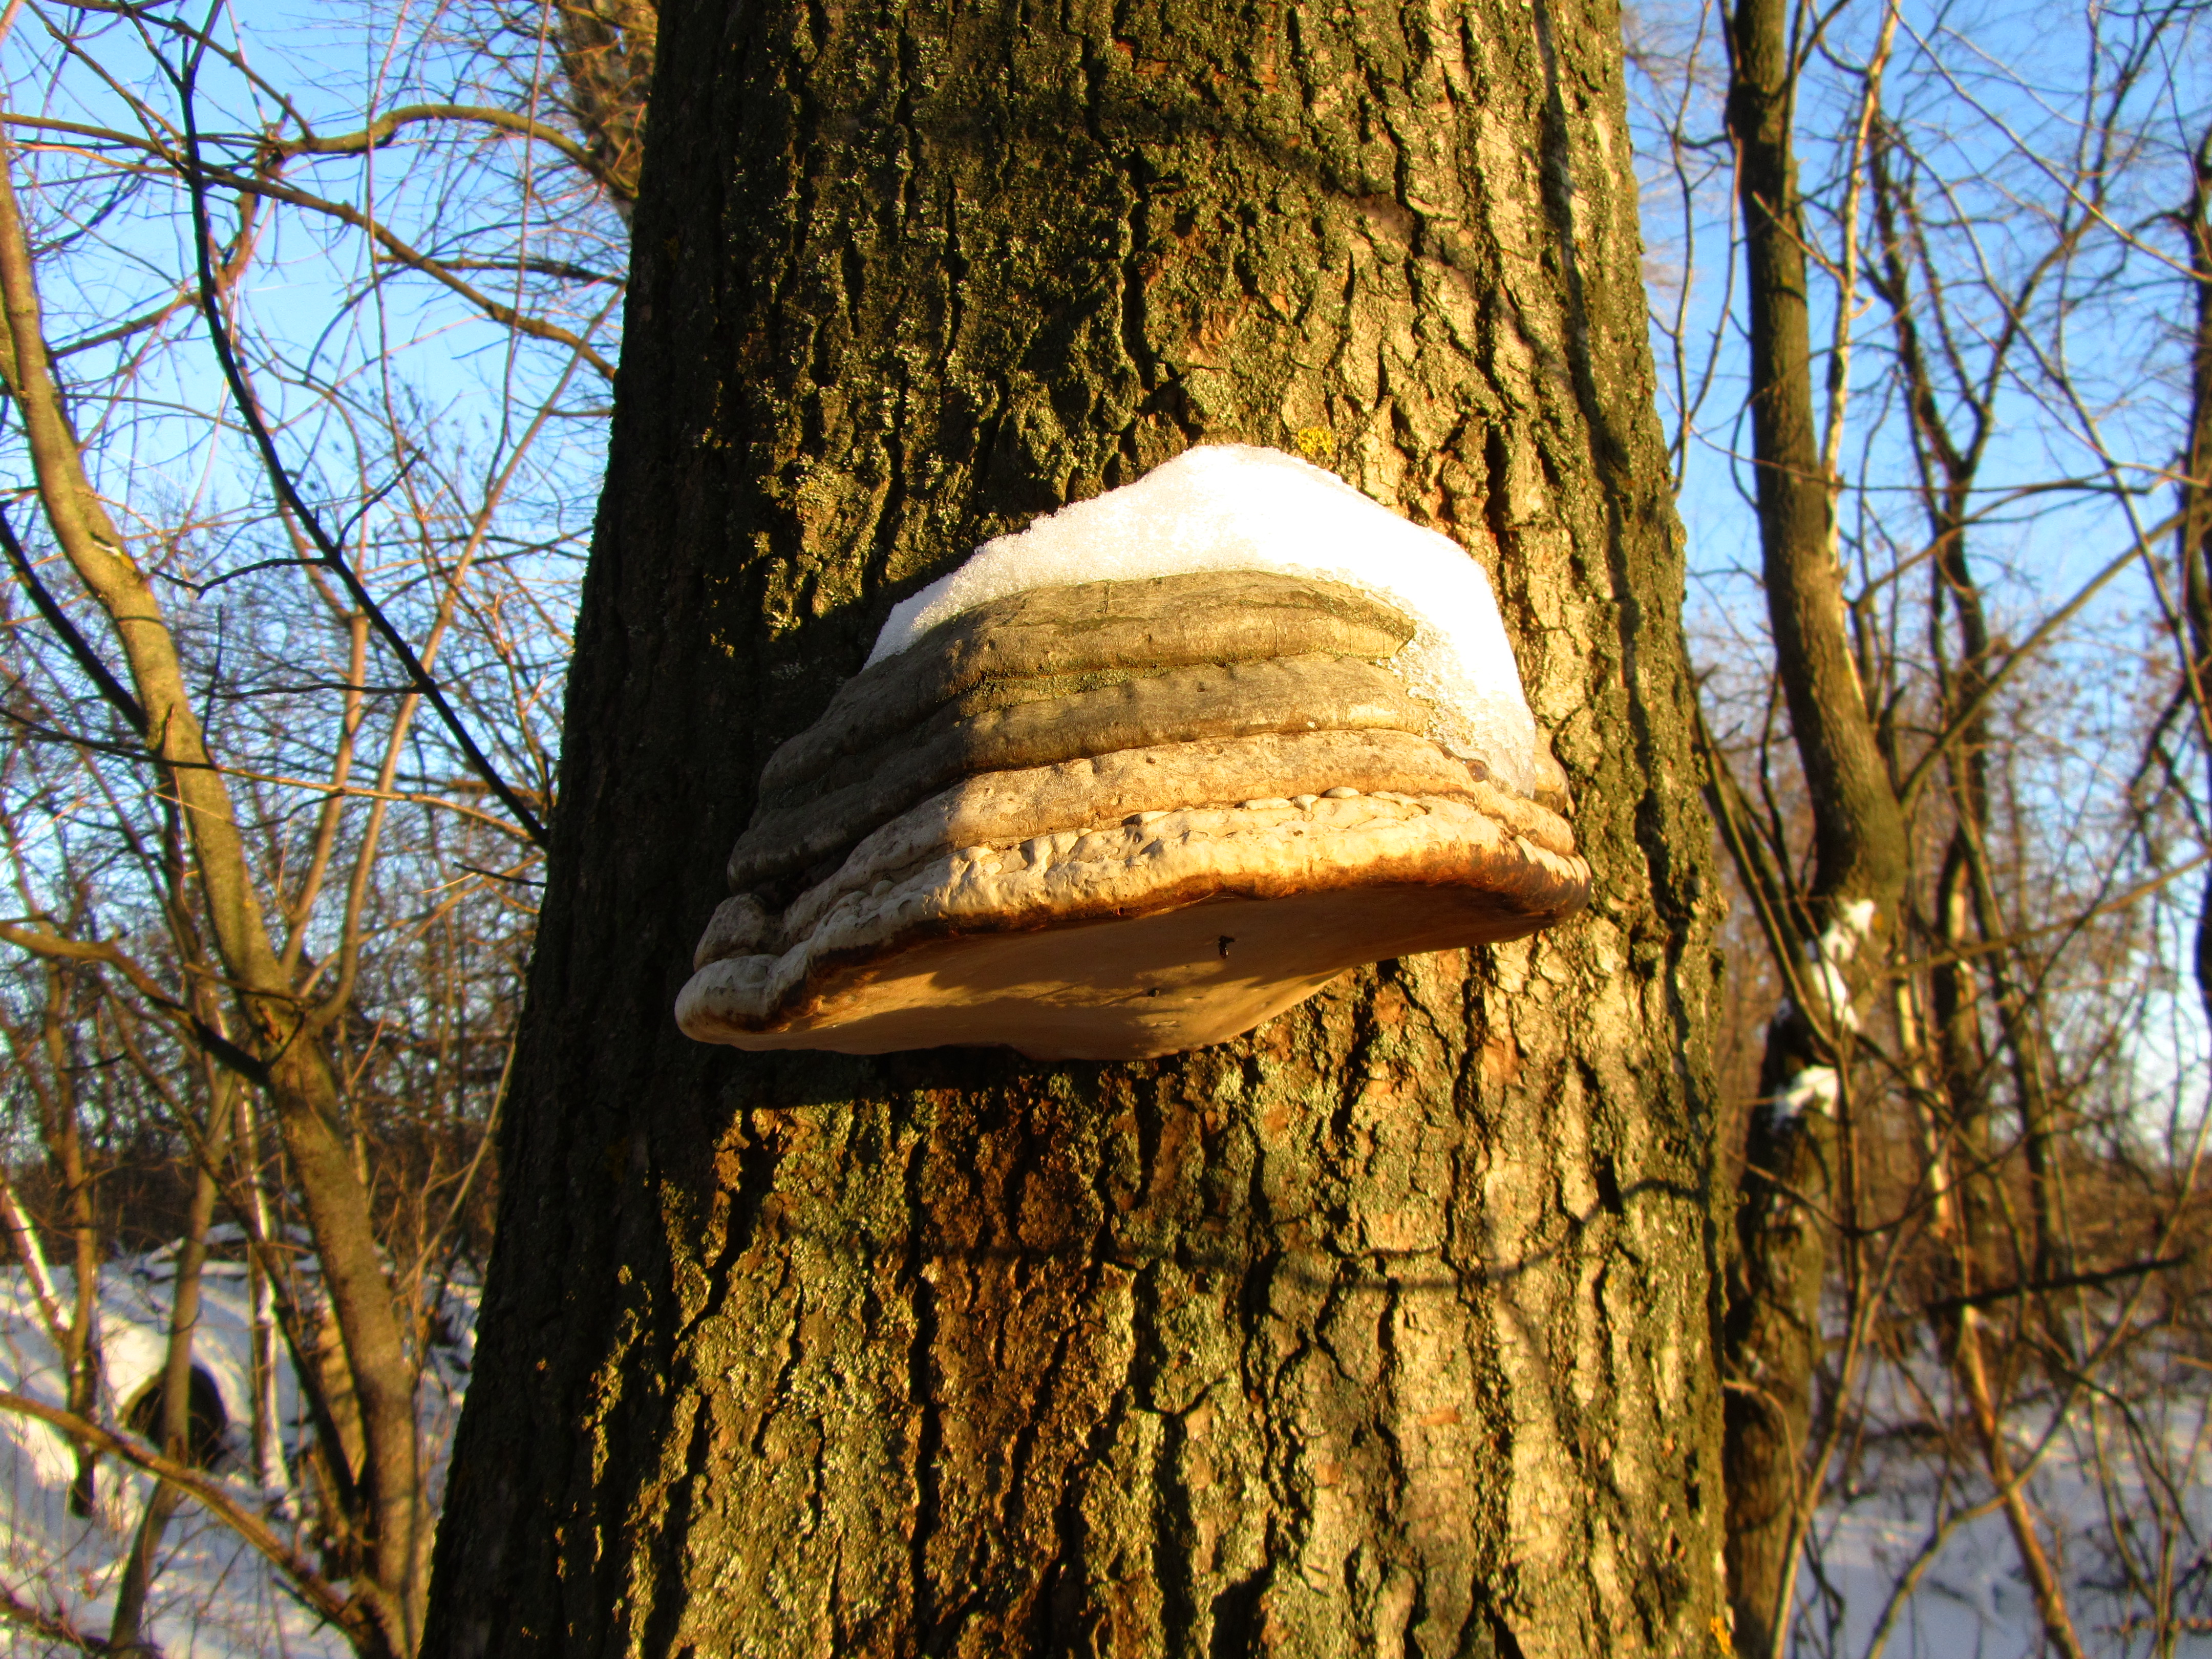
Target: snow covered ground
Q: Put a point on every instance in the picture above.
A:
(213, 1598)
(1966, 1598)
(1919, 1554)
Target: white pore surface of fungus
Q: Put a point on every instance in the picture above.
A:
(1235, 507)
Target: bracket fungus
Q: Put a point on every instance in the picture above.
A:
(1140, 776)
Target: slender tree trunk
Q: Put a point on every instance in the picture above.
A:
(1387, 1328)
(2195, 539)
(126, 1633)
(72, 1336)
(1790, 1179)
(81, 1354)
(1967, 1199)
(1949, 443)
(268, 1437)
(295, 1069)
(31, 1256)
(46, 1067)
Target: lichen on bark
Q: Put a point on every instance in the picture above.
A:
(1387, 1328)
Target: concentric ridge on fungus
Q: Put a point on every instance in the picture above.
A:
(1114, 819)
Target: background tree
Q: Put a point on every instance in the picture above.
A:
(285, 625)
(1951, 454)
(1833, 939)
(1390, 1325)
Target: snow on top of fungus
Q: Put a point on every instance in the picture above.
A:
(1234, 506)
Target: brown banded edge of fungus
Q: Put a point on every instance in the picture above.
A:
(1141, 777)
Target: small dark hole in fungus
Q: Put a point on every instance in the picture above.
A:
(1222, 944)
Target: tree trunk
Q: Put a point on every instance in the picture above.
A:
(81, 1354)
(2194, 550)
(1836, 942)
(1387, 1328)
(278, 1032)
(127, 1633)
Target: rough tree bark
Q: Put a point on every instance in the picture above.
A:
(1386, 1329)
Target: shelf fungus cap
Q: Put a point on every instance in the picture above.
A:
(1141, 777)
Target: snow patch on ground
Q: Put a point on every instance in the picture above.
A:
(1234, 506)
(213, 1597)
(215, 1600)
(1903, 1511)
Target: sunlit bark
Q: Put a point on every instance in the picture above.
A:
(1388, 1327)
